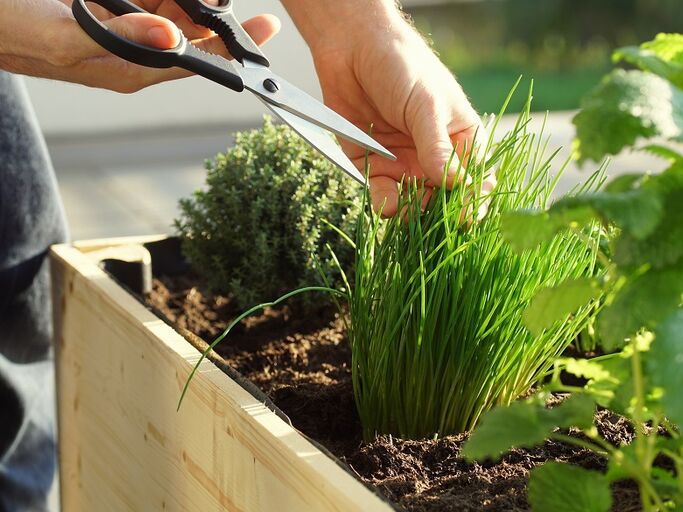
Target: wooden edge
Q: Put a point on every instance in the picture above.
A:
(97, 244)
(292, 449)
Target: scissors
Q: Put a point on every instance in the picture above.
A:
(308, 117)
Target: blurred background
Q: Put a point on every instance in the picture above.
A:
(123, 161)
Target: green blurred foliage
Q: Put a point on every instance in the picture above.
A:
(564, 45)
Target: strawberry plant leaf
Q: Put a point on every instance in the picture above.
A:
(551, 305)
(576, 411)
(636, 211)
(624, 183)
(526, 229)
(664, 482)
(664, 245)
(663, 57)
(503, 428)
(525, 424)
(664, 152)
(557, 487)
(643, 302)
(665, 364)
(625, 106)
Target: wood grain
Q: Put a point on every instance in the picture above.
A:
(123, 446)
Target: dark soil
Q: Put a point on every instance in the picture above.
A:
(303, 364)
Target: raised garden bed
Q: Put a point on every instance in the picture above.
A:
(123, 446)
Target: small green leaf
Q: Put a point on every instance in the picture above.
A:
(576, 411)
(626, 106)
(551, 305)
(525, 424)
(665, 364)
(642, 303)
(527, 229)
(585, 368)
(503, 428)
(556, 487)
(663, 57)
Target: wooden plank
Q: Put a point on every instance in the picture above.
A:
(123, 446)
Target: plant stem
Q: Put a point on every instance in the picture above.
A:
(647, 493)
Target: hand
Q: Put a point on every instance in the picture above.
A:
(41, 38)
(382, 72)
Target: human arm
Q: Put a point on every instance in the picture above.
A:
(375, 68)
(41, 38)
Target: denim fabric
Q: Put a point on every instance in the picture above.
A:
(31, 219)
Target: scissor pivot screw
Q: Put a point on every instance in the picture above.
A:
(271, 85)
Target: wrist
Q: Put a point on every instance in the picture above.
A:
(328, 25)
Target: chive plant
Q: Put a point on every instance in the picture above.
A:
(437, 299)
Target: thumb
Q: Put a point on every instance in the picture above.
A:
(142, 28)
(146, 29)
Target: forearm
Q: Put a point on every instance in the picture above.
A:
(26, 29)
(328, 22)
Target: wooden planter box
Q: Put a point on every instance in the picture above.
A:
(123, 446)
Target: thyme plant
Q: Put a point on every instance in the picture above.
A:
(437, 303)
(261, 225)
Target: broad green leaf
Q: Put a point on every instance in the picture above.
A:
(557, 487)
(551, 305)
(626, 106)
(642, 303)
(663, 56)
(636, 211)
(664, 245)
(665, 152)
(527, 229)
(525, 424)
(665, 364)
(624, 183)
(503, 428)
(576, 411)
(664, 482)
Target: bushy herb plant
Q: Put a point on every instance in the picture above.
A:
(436, 306)
(261, 226)
(642, 315)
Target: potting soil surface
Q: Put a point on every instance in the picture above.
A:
(302, 363)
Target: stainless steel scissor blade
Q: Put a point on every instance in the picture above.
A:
(261, 81)
(319, 139)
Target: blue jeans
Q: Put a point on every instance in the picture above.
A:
(31, 219)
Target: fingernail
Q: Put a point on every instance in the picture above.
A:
(160, 37)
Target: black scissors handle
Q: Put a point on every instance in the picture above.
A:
(185, 55)
(223, 22)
